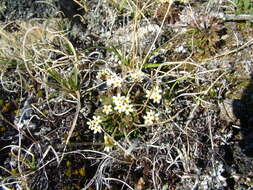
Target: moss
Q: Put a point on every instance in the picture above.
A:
(238, 84)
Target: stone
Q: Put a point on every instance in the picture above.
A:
(232, 110)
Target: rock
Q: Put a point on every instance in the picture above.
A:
(232, 110)
(26, 9)
(125, 36)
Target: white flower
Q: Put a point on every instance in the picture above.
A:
(154, 94)
(97, 128)
(122, 104)
(107, 109)
(120, 107)
(97, 120)
(153, 114)
(95, 124)
(151, 117)
(148, 119)
(128, 109)
(91, 124)
(114, 81)
(125, 100)
(157, 98)
(117, 99)
(117, 82)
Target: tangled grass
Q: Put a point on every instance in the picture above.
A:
(118, 117)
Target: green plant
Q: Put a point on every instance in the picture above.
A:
(69, 82)
(243, 6)
(119, 114)
(119, 5)
(205, 35)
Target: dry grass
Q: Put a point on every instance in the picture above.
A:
(56, 89)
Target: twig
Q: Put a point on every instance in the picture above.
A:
(235, 17)
(248, 43)
(78, 107)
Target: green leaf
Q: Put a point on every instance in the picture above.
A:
(8, 63)
(165, 187)
(151, 65)
(55, 75)
(247, 4)
(73, 78)
(106, 100)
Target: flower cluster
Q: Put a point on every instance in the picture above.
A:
(95, 124)
(154, 94)
(151, 117)
(122, 104)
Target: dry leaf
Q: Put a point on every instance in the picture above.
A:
(140, 184)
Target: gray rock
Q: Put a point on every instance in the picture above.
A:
(124, 37)
(26, 9)
(232, 110)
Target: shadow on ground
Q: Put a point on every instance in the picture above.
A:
(246, 119)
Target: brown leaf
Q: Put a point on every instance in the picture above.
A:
(140, 184)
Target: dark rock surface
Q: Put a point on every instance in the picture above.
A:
(27, 9)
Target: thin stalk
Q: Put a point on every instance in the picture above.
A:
(78, 107)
